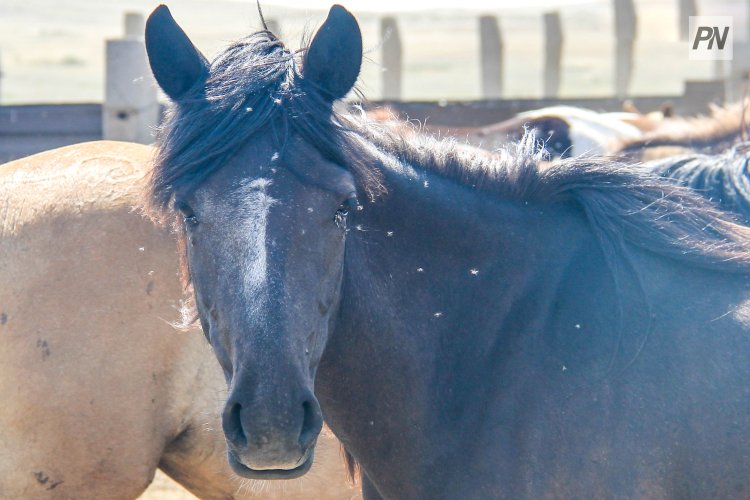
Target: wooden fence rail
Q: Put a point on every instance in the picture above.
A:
(29, 129)
(25, 130)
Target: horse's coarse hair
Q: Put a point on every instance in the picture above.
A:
(720, 178)
(623, 203)
(256, 84)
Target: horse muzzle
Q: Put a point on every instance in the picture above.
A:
(300, 468)
(268, 443)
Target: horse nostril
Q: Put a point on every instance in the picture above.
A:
(312, 422)
(233, 426)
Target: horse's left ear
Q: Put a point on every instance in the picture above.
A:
(334, 58)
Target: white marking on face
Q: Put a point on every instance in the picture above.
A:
(254, 203)
(242, 233)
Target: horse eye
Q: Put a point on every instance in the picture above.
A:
(343, 211)
(190, 220)
(188, 217)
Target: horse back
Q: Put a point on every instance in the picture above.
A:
(89, 373)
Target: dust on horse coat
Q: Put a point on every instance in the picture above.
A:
(97, 388)
(481, 327)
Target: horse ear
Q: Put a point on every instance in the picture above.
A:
(176, 63)
(334, 58)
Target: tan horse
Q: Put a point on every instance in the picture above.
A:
(97, 389)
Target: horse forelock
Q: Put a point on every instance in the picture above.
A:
(255, 84)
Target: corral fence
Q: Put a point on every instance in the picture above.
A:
(131, 108)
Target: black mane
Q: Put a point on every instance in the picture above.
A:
(623, 202)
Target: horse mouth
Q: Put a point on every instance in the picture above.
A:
(243, 470)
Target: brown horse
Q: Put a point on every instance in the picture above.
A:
(723, 128)
(98, 389)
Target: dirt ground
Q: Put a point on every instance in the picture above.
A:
(163, 488)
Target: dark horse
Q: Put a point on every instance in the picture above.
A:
(470, 325)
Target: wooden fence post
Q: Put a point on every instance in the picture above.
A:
(134, 25)
(131, 109)
(553, 44)
(687, 8)
(625, 33)
(392, 58)
(738, 82)
(491, 47)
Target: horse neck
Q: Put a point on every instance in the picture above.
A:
(436, 278)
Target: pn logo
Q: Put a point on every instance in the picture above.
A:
(711, 38)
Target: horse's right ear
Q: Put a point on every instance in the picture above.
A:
(334, 58)
(176, 63)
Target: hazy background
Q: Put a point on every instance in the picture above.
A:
(52, 51)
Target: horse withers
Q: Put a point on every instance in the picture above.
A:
(470, 325)
(98, 389)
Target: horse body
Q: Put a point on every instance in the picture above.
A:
(98, 388)
(471, 325)
(566, 131)
(712, 134)
(503, 384)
